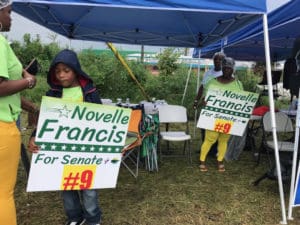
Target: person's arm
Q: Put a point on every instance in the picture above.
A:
(9, 87)
(28, 105)
(198, 97)
(33, 111)
(32, 147)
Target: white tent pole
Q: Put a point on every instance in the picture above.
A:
(197, 88)
(186, 83)
(198, 71)
(295, 156)
(272, 111)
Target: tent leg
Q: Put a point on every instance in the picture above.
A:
(272, 111)
(186, 83)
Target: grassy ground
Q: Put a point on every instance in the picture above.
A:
(177, 194)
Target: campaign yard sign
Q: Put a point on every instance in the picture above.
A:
(227, 111)
(80, 145)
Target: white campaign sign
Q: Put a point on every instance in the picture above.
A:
(80, 146)
(227, 111)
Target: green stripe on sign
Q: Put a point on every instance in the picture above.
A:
(59, 147)
(228, 112)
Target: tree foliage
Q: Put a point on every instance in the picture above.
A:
(167, 61)
(113, 80)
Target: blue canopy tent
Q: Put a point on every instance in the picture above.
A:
(163, 23)
(177, 23)
(248, 43)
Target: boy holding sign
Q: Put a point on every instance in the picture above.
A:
(229, 82)
(68, 81)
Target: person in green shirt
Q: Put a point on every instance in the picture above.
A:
(227, 81)
(13, 80)
(214, 72)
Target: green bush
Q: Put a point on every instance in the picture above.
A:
(113, 80)
(248, 79)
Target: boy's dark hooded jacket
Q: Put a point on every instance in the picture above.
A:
(68, 57)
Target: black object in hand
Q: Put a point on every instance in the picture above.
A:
(33, 67)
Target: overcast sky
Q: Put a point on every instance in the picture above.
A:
(21, 26)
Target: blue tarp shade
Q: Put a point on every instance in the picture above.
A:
(248, 43)
(181, 23)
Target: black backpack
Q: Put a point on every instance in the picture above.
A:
(291, 78)
(286, 163)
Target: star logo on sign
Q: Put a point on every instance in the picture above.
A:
(64, 112)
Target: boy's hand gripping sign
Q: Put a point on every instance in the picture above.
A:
(80, 146)
(227, 111)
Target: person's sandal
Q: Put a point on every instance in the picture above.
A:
(203, 168)
(221, 167)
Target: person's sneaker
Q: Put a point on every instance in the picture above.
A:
(75, 223)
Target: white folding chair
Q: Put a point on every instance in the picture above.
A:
(285, 134)
(107, 101)
(284, 126)
(174, 116)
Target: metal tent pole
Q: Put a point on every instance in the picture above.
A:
(186, 84)
(295, 156)
(272, 111)
(197, 88)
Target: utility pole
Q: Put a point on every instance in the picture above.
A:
(186, 51)
(142, 54)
